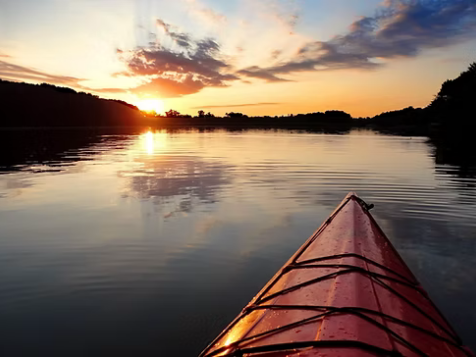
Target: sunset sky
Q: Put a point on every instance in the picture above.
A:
(254, 56)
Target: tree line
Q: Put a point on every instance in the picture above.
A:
(48, 105)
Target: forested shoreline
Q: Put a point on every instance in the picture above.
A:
(28, 105)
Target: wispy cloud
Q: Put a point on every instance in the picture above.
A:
(286, 12)
(106, 90)
(400, 28)
(234, 105)
(261, 73)
(180, 38)
(205, 14)
(15, 72)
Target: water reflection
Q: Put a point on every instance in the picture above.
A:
(154, 141)
(114, 234)
(457, 161)
(167, 178)
(175, 183)
(34, 150)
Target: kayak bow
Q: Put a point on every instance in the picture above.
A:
(345, 292)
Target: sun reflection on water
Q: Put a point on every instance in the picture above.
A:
(154, 141)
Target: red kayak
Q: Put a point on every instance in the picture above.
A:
(346, 292)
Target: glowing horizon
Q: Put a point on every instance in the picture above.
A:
(269, 57)
(150, 105)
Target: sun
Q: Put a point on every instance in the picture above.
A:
(151, 105)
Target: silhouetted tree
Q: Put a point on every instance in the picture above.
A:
(236, 115)
(455, 103)
(201, 114)
(124, 103)
(338, 114)
(453, 111)
(459, 91)
(172, 114)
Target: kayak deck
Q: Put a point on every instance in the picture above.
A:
(345, 292)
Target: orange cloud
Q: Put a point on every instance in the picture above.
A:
(196, 64)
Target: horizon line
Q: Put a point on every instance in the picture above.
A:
(234, 105)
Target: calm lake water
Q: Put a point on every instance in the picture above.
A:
(149, 244)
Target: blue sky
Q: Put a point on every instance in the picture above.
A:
(304, 55)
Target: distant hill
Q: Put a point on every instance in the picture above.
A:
(30, 105)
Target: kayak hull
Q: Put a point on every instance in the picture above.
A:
(345, 292)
